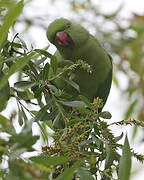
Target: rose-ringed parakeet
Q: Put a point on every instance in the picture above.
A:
(74, 42)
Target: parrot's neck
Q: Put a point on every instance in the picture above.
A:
(90, 52)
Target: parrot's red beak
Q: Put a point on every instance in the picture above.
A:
(62, 37)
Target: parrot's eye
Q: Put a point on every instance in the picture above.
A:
(68, 26)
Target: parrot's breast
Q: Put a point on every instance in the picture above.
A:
(93, 54)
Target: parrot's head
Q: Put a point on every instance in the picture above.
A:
(64, 34)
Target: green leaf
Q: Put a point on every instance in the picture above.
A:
(119, 137)
(4, 94)
(131, 109)
(115, 13)
(65, 96)
(85, 174)
(17, 45)
(54, 89)
(45, 72)
(34, 112)
(58, 122)
(115, 80)
(72, 83)
(68, 173)
(43, 52)
(135, 129)
(96, 129)
(3, 101)
(43, 115)
(50, 161)
(76, 104)
(24, 84)
(37, 91)
(86, 101)
(54, 63)
(40, 61)
(3, 121)
(24, 46)
(24, 140)
(21, 62)
(105, 115)
(9, 20)
(32, 67)
(4, 3)
(20, 117)
(49, 124)
(125, 162)
(111, 155)
(25, 95)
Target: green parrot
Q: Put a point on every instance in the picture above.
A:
(74, 42)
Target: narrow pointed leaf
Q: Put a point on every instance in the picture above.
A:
(54, 64)
(68, 173)
(125, 162)
(76, 104)
(86, 101)
(85, 174)
(45, 72)
(43, 52)
(9, 20)
(24, 84)
(72, 83)
(50, 161)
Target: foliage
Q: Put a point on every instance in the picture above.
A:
(84, 147)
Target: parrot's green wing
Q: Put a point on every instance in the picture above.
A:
(104, 88)
(73, 43)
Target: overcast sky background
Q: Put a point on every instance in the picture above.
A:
(116, 102)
